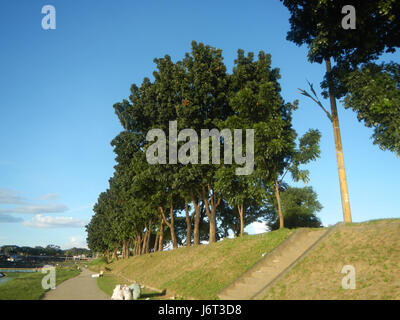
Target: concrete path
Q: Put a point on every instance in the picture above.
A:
(82, 287)
(255, 282)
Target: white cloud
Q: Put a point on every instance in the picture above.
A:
(49, 208)
(8, 196)
(5, 218)
(75, 242)
(44, 222)
(49, 196)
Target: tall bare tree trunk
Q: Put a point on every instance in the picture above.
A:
(139, 243)
(148, 231)
(196, 231)
(241, 215)
(134, 246)
(188, 226)
(211, 214)
(146, 235)
(161, 239)
(278, 199)
(135, 250)
(114, 254)
(171, 225)
(156, 242)
(339, 154)
(123, 249)
(143, 243)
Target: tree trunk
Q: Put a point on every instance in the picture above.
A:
(171, 224)
(161, 239)
(188, 226)
(108, 255)
(339, 153)
(133, 241)
(211, 214)
(278, 200)
(123, 249)
(139, 244)
(114, 254)
(241, 215)
(127, 248)
(172, 227)
(146, 234)
(135, 248)
(148, 237)
(156, 242)
(196, 231)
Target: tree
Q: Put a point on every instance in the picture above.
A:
(257, 104)
(317, 24)
(197, 93)
(300, 206)
(308, 150)
(374, 93)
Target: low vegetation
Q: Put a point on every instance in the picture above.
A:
(28, 286)
(372, 248)
(201, 271)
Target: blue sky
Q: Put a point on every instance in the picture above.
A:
(57, 89)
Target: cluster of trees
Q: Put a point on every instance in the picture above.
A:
(196, 202)
(49, 250)
(143, 200)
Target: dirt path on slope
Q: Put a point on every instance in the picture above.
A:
(82, 287)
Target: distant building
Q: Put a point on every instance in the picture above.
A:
(80, 257)
(15, 258)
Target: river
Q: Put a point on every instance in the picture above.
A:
(4, 279)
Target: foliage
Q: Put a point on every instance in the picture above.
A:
(370, 90)
(374, 93)
(300, 207)
(142, 208)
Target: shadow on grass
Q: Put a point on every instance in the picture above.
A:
(153, 295)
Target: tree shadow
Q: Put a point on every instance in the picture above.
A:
(152, 295)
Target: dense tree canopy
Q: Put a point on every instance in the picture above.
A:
(371, 90)
(149, 205)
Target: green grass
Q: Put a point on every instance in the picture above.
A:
(28, 286)
(372, 247)
(97, 264)
(108, 282)
(199, 272)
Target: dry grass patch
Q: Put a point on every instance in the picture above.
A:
(373, 248)
(203, 271)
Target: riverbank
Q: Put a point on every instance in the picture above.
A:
(28, 286)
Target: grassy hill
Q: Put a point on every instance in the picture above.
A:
(373, 248)
(199, 272)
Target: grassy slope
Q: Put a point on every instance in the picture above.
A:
(373, 248)
(28, 286)
(203, 271)
(98, 264)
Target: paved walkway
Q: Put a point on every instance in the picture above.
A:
(82, 287)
